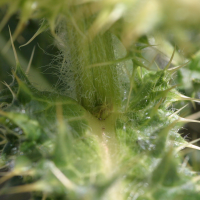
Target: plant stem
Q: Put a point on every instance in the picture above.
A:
(97, 88)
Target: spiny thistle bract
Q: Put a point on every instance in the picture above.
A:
(111, 133)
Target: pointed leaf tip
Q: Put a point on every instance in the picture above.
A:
(174, 69)
(185, 120)
(30, 61)
(14, 50)
(183, 97)
(177, 111)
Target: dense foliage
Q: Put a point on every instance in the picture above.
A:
(108, 129)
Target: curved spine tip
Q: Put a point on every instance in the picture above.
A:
(13, 94)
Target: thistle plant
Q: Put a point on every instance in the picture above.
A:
(108, 130)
